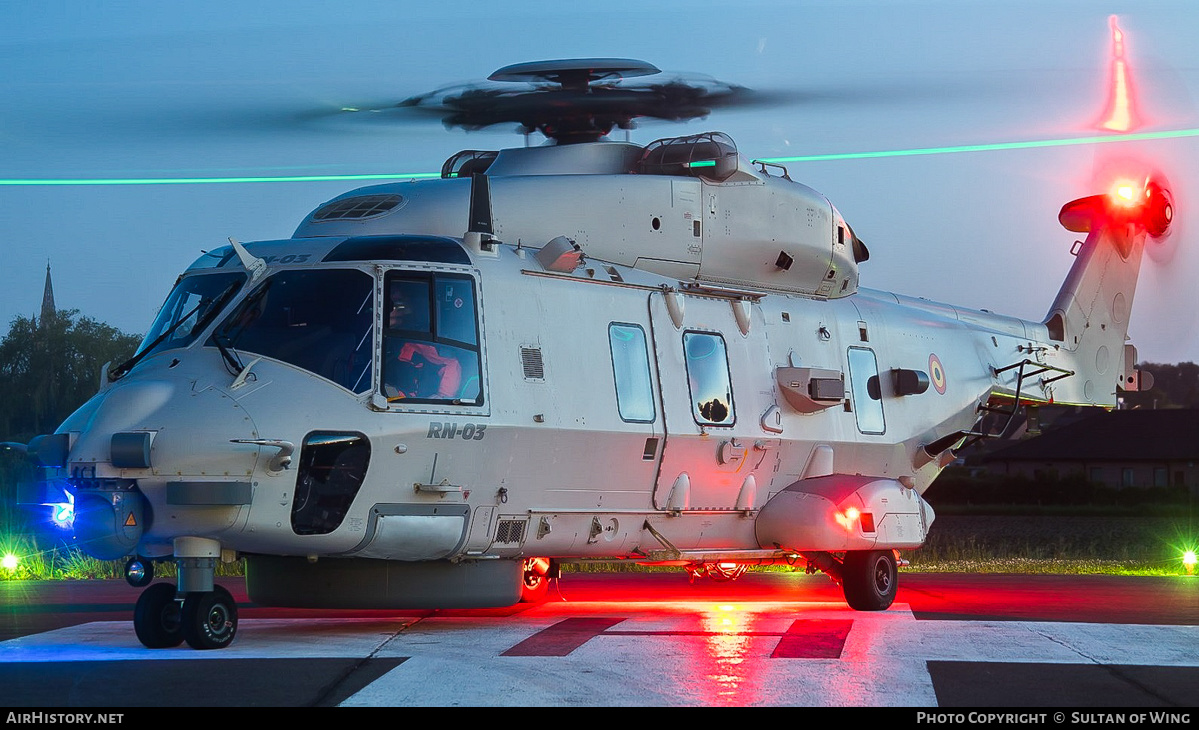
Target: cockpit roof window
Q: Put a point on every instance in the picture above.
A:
(433, 249)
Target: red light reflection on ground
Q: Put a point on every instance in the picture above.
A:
(723, 663)
(725, 651)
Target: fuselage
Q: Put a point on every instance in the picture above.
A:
(581, 415)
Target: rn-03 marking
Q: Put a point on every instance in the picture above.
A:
(291, 258)
(449, 430)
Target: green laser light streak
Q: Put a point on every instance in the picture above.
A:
(213, 180)
(1030, 144)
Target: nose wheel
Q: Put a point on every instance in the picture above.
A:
(156, 617)
(209, 619)
(205, 620)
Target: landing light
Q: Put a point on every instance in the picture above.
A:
(62, 514)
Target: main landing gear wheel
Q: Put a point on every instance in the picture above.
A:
(536, 583)
(209, 619)
(156, 617)
(870, 579)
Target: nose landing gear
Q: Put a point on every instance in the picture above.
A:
(198, 612)
(163, 618)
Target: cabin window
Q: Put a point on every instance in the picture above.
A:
(630, 367)
(332, 468)
(431, 339)
(321, 320)
(867, 401)
(708, 378)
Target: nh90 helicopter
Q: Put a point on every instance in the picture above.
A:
(436, 390)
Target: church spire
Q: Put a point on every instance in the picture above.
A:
(47, 298)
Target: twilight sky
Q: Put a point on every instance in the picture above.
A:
(133, 90)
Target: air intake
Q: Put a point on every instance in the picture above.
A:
(531, 363)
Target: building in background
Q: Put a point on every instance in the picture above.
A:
(1120, 449)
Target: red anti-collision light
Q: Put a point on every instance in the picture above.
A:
(1159, 209)
(1148, 203)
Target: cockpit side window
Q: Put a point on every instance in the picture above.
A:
(321, 320)
(431, 339)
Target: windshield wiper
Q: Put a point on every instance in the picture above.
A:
(213, 308)
(232, 362)
(227, 344)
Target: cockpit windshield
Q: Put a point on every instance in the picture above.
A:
(321, 320)
(190, 306)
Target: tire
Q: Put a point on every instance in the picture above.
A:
(156, 617)
(209, 619)
(870, 579)
(535, 585)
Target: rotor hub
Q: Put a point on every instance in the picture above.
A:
(576, 100)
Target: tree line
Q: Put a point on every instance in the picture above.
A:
(50, 368)
(1174, 386)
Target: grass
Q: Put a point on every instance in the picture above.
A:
(974, 540)
(1057, 543)
(51, 560)
(983, 541)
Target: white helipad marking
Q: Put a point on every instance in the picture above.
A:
(256, 639)
(679, 654)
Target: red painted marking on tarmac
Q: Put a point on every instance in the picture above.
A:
(804, 639)
(563, 637)
(813, 639)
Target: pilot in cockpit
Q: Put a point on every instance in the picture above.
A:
(420, 370)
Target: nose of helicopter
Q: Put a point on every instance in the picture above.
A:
(124, 453)
(158, 428)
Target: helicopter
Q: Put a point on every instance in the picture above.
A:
(436, 391)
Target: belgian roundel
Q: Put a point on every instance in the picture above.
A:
(936, 373)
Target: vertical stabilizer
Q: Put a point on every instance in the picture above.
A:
(1089, 318)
